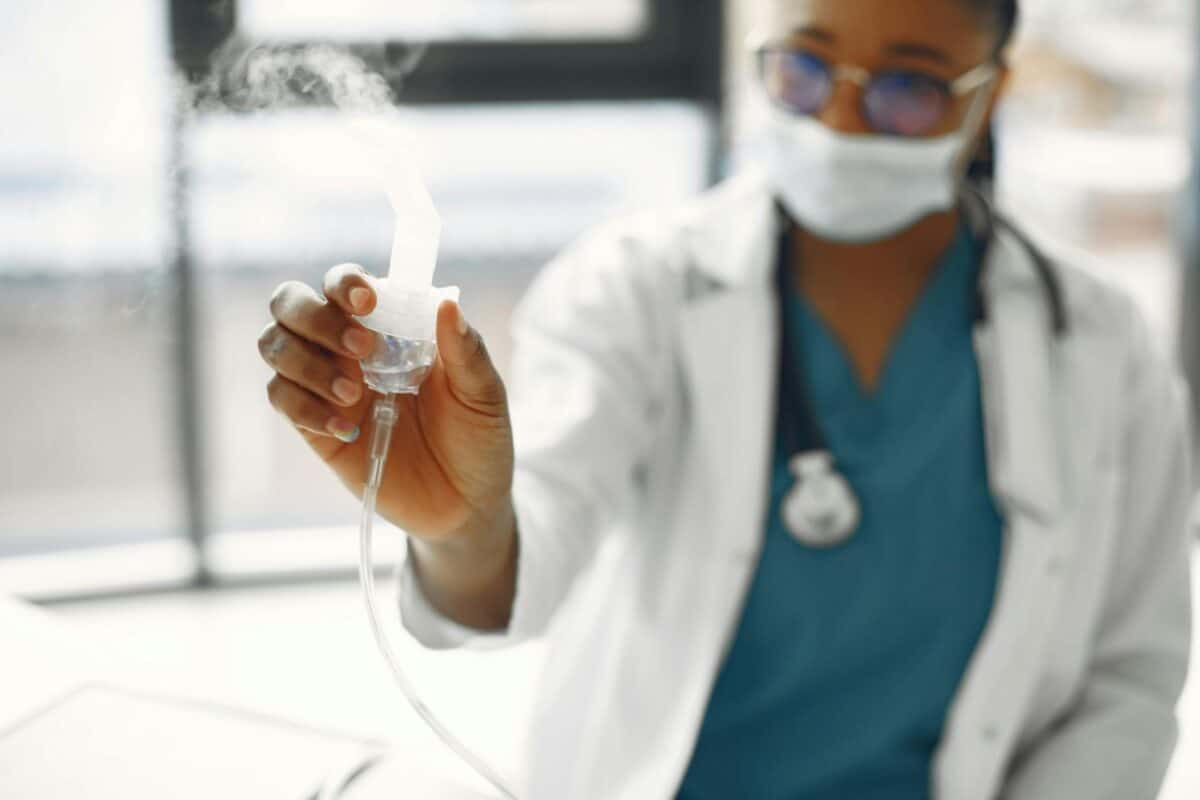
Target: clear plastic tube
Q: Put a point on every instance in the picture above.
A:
(383, 422)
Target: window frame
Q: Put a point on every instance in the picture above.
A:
(678, 56)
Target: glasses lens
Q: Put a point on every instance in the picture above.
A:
(797, 80)
(905, 103)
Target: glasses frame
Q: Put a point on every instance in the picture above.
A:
(964, 84)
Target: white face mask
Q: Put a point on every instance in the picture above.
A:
(860, 188)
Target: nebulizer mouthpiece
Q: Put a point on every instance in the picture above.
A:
(405, 324)
(405, 317)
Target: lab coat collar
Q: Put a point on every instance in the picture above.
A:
(1016, 350)
(732, 233)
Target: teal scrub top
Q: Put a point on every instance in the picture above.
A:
(846, 660)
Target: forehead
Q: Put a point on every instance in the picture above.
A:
(865, 28)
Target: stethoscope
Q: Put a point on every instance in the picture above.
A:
(822, 510)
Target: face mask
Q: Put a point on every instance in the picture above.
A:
(860, 188)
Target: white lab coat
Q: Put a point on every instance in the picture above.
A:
(642, 396)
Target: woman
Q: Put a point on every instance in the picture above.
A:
(894, 509)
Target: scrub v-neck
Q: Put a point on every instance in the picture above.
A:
(937, 321)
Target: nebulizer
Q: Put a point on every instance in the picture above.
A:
(404, 322)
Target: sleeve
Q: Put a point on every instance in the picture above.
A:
(583, 389)
(1118, 741)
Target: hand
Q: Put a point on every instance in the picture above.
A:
(449, 472)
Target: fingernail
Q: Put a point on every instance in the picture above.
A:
(359, 298)
(358, 341)
(462, 322)
(343, 430)
(346, 390)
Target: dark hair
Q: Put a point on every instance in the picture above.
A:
(1002, 17)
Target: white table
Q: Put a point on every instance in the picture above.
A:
(49, 666)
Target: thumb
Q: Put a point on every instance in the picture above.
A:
(468, 366)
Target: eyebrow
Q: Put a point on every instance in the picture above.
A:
(814, 32)
(920, 51)
(897, 49)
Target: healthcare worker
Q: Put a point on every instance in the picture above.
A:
(881, 504)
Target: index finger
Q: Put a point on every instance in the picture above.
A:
(346, 286)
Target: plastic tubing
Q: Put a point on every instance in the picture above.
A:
(383, 422)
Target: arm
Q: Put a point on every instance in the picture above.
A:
(583, 385)
(1117, 741)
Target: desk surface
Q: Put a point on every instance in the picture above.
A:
(219, 643)
(43, 661)
(110, 743)
(48, 666)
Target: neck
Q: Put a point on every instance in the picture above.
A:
(864, 292)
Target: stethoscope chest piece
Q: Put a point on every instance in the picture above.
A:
(821, 510)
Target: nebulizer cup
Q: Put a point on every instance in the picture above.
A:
(404, 322)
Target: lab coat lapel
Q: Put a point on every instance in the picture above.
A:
(1016, 351)
(729, 348)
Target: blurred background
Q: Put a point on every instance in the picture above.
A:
(147, 210)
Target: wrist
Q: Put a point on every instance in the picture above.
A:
(478, 551)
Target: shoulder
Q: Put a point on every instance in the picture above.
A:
(1108, 355)
(1100, 316)
(1097, 308)
(1108, 320)
(1111, 332)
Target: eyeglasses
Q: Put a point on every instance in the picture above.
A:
(896, 102)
